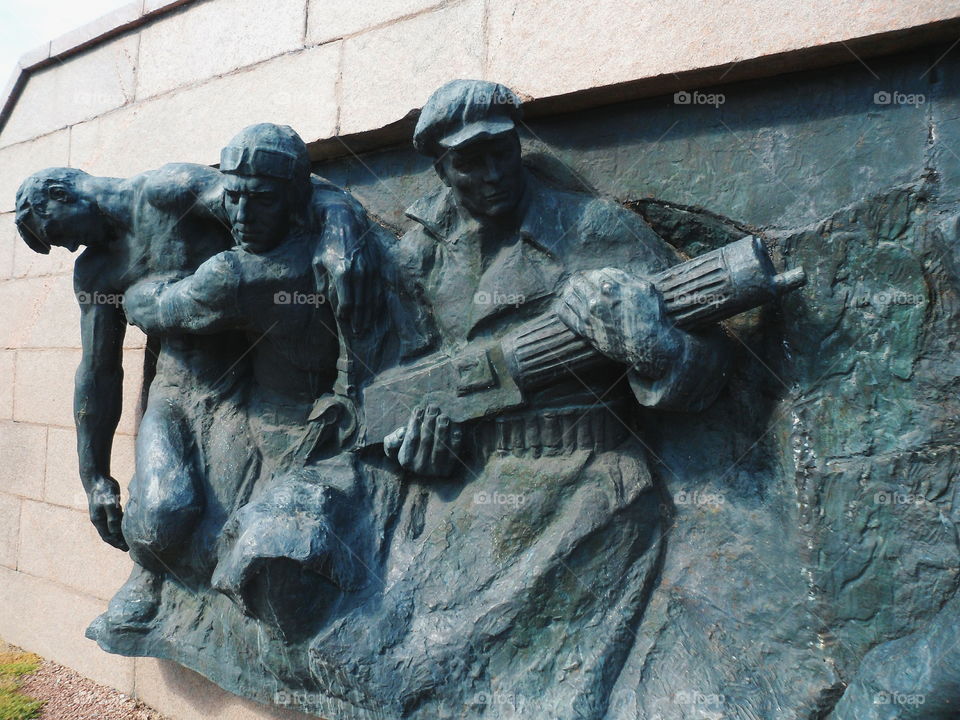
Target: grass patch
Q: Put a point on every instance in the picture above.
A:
(15, 664)
(13, 705)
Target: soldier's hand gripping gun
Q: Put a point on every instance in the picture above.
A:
(491, 377)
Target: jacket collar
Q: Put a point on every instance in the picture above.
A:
(444, 220)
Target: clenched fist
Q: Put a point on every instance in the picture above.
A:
(103, 496)
(428, 445)
(623, 317)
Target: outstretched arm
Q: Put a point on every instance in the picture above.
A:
(97, 406)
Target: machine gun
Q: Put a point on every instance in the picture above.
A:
(492, 376)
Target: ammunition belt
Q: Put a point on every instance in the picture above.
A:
(551, 432)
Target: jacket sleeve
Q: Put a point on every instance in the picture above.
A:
(203, 303)
(699, 372)
(694, 380)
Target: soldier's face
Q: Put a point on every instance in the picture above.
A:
(56, 215)
(259, 211)
(486, 175)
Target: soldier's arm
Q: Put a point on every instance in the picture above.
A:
(98, 401)
(622, 315)
(186, 189)
(698, 369)
(693, 379)
(347, 251)
(203, 303)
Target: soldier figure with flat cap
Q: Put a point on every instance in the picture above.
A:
(555, 503)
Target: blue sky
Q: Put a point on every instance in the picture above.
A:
(25, 24)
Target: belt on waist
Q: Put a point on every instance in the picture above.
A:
(552, 432)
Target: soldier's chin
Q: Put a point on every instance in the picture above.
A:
(254, 242)
(71, 245)
(247, 240)
(499, 206)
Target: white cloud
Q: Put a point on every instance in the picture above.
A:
(26, 24)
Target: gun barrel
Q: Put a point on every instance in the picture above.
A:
(699, 292)
(790, 280)
(723, 283)
(705, 290)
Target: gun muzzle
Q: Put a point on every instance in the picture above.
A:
(723, 283)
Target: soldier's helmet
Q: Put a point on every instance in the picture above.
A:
(267, 150)
(463, 111)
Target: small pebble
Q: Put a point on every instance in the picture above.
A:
(69, 696)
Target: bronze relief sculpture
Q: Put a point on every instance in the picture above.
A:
(402, 475)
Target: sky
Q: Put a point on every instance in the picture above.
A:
(25, 24)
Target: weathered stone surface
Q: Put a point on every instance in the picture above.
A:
(62, 484)
(43, 380)
(209, 39)
(21, 159)
(92, 568)
(330, 19)
(134, 338)
(24, 450)
(113, 145)
(8, 244)
(47, 618)
(17, 293)
(81, 87)
(36, 55)
(49, 313)
(609, 43)
(186, 695)
(27, 263)
(391, 71)
(9, 529)
(7, 360)
(111, 22)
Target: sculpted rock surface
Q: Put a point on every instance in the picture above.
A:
(543, 439)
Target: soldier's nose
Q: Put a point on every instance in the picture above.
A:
(242, 213)
(492, 174)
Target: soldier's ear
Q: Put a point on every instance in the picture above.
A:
(441, 171)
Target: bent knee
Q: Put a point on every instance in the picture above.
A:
(161, 515)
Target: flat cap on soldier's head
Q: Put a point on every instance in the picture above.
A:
(463, 111)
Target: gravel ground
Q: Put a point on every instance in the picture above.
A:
(69, 696)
